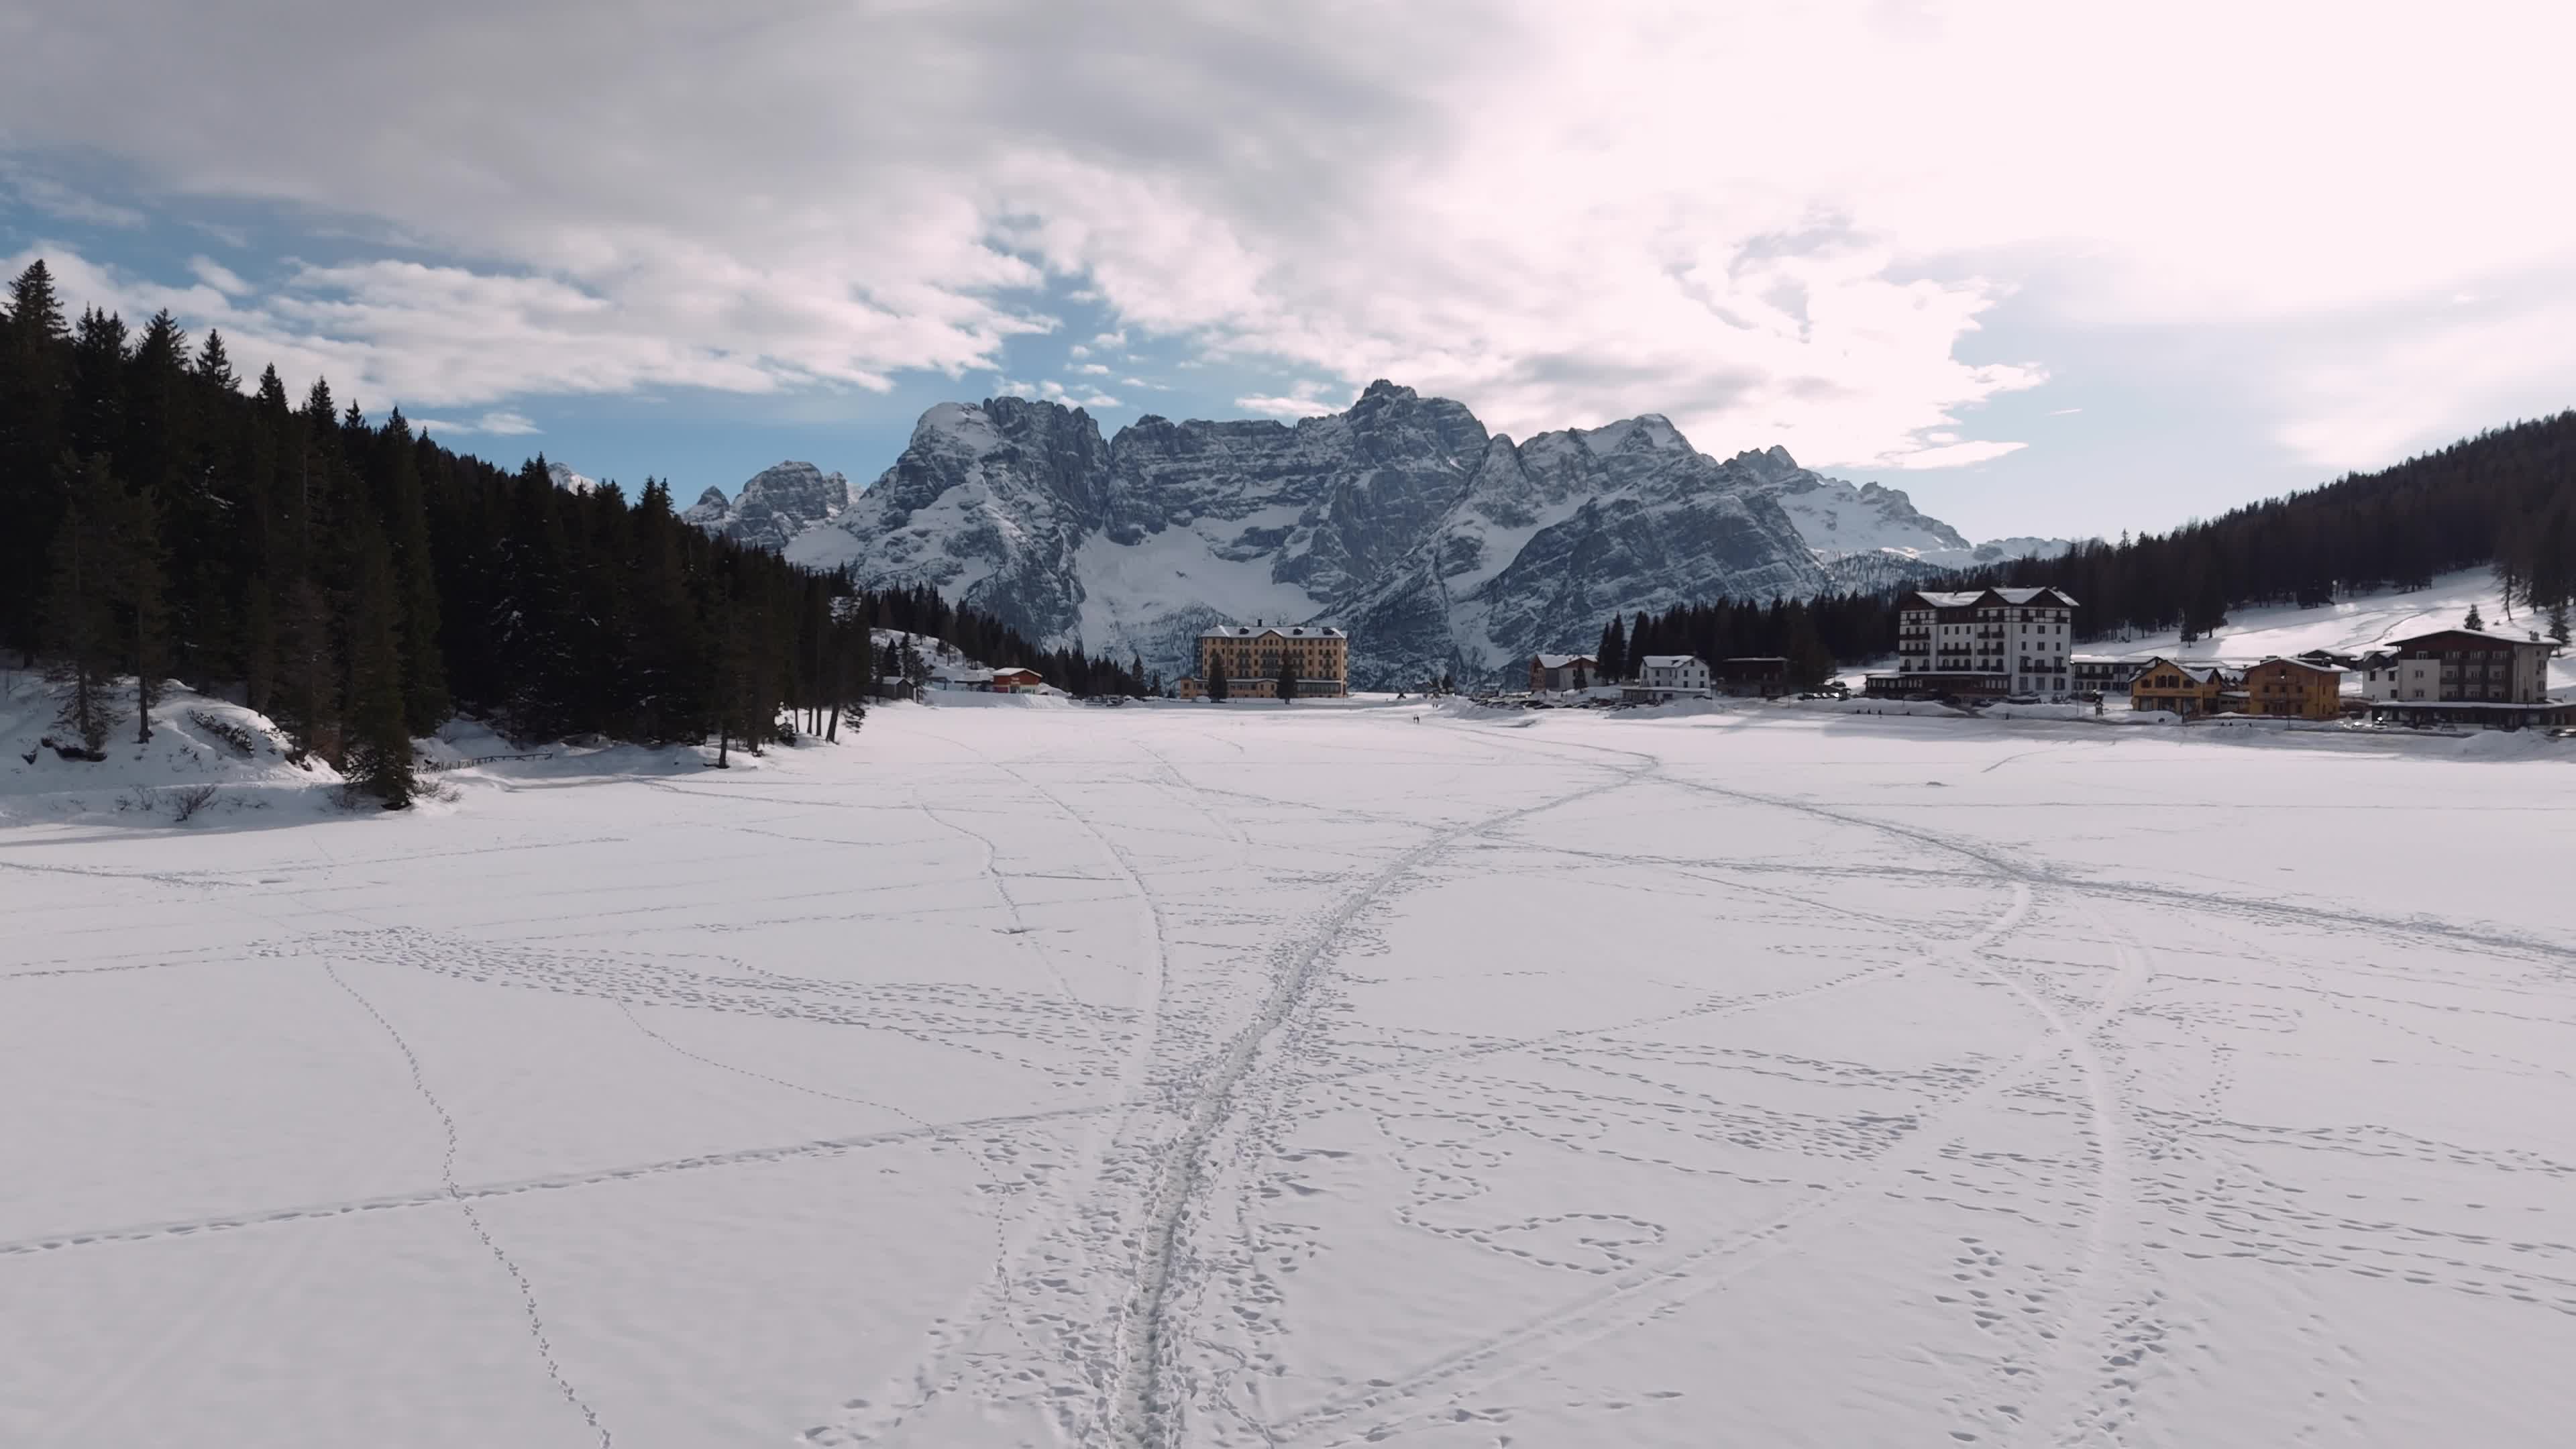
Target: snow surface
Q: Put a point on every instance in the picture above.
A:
(1236, 1075)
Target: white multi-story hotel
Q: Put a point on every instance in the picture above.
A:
(1983, 642)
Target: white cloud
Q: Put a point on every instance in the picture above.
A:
(1772, 223)
(1948, 455)
(218, 276)
(1306, 398)
(503, 424)
(46, 194)
(1093, 369)
(1078, 395)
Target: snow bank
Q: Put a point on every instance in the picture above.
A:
(208, 760)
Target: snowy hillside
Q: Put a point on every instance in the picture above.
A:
(208, 760)
(2352, 625)
(568, 480)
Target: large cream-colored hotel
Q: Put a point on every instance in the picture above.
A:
(1250, 654)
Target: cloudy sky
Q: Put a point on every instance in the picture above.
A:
(2053, 268)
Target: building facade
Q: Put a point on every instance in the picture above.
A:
(1250, 656)
(2104, 673)
(1957, 642)
(2465, 677)
(1549, 672)
(1017, 681)
(1764, 676)
(2294, 689)
(2192, 690)
(1676, 673)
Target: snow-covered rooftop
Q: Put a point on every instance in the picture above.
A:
(1284, 631)
(1670, 661)
(1565, 661)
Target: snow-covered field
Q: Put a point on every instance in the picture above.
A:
(1258, 1076)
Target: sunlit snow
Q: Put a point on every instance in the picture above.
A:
(1307, 1076)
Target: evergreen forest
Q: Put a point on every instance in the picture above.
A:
(2506, 497)
(360, 584)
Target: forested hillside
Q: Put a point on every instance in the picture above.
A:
(359, 583)
(2506, 497)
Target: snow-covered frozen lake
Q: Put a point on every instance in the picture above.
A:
(1305, 1077)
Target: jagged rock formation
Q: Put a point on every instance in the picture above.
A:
(775, 507)
(1441, 547)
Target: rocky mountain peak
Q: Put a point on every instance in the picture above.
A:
(776, 505)
(1441, 546)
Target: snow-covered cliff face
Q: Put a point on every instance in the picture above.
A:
(568, 480)
(1441, 547)
(1841, 520)
(775, 507)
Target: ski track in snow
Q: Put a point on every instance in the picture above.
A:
(1204, 1022)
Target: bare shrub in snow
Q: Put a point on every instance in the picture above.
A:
(187, 800)
(233, 734)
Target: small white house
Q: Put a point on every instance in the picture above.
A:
(1675, 673)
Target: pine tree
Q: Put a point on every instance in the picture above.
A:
(1613, 653)
(425, 700)
(214, 366)
(379, 752)
(79, 615)
(34, 391)
(145, 588)
(2474, 621)
(2558, 622)
(1219, 688)
(1810, 663)
(1287, 677)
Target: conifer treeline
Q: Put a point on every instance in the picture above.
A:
(360, 583)
(1811, 633)
(2506, 497)
(982, 637)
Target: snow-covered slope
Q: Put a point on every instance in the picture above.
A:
(775, 506)
(208, 760)
(1840, 519)
(568, 480)
(1444, 548)
(2351, 626)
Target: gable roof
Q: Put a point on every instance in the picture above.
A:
(2466, 639)
(2201, 673)
(2043, 595)
(1670, 661)
(2289, 662)
(1567, 661)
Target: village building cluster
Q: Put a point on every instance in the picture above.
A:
(1967, 647)
(1663, 678)
(2011, 644)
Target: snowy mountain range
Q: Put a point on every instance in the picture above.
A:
(775, 507)
(1442, 547)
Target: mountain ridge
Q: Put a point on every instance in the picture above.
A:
(1446, 549)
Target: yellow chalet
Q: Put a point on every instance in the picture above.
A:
(2189, 690)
